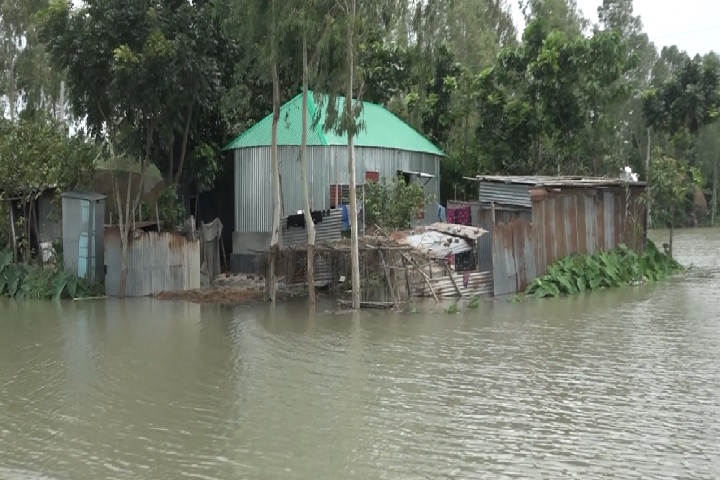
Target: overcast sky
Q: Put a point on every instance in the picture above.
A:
(692, 25)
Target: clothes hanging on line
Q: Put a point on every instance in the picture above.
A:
(441, 214)
(298, 220)
(460, 215)
(465, 262)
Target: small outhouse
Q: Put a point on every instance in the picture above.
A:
(83, 229)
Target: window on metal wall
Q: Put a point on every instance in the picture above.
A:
(342, 190)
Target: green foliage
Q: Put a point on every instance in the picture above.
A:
(37, 152)
(171, 211)
(40, 282)
(622, 266)
(474, 303)
(687, 101)
(393, 204)
(453, 309)
(672, 182)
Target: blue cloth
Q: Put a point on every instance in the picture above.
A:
(442, 213)
(345, 218)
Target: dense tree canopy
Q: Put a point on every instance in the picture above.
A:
(173, 80)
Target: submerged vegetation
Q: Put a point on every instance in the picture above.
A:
(40, 282)
(614, 268)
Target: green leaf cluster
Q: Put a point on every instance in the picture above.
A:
(37, 152)
(40, 282)
(393, 204)
(614, 268)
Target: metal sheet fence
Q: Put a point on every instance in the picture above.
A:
(157, 262)
(573, 220)
(328, 230)
(586, 221)
(448, 286)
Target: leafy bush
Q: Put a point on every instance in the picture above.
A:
(622, 266)
(393, 204)
(38, 282)
(170, 209)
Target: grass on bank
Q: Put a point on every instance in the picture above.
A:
(20, 281)
(614, 268)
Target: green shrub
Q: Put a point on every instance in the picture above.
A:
(40, 282)
(622, 266)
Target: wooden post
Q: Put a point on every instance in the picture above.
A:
(157, 217)
(389, 280)
(492, 207)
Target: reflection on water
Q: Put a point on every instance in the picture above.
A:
(615, 384)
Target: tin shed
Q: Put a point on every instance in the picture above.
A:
(83, 227)
(535, 221)
(385, 147)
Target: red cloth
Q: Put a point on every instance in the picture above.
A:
(460, 215)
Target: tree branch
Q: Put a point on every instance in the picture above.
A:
(183, 149)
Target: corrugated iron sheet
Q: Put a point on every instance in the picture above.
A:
(557, 181)
(327, 166)
(157, 262)
(329, 230)
(586, 221)
(504, 193)
(572, 220)
(479, 283)
(513, 257)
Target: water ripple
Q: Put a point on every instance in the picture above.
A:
(616, 384)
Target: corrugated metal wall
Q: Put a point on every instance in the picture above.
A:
(586, 221)
(575, 220)
(502, 217)
(513, 256)
(327, 166)
(328, 230)
(504, 193)
(157, 262)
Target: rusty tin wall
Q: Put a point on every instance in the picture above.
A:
(503, 216)
(586, 221)
(327, 166)
(157, 262)
(572, 220)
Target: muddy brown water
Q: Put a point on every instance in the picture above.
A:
(614, 384)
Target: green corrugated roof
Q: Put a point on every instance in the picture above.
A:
(381, 129)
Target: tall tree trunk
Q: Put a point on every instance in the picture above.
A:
(123, 209)
(127, 217)
(275, 241)
(11, 91)
(183, 147)
(349, 110)
(647, 174)
(670, 244)
(304, 174)
(714, 192)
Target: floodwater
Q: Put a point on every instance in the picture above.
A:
(615, 384)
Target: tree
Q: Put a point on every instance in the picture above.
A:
(672, 182)
(35, 153)
(392, 204)
(28, 83)
(123, 70)
(708, 146)
(539, 101)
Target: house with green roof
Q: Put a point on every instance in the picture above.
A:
(385, 147)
